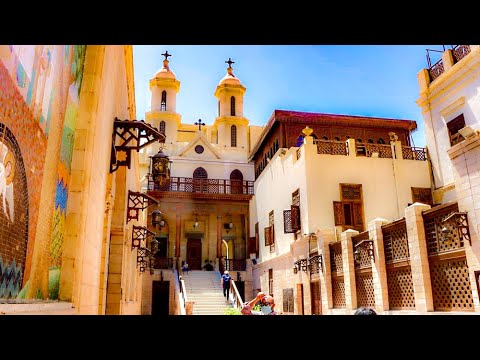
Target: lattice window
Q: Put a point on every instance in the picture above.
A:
(363, 248)
(400, 288)
(451, 285)
(442, 236)
(351, 192)
(453, 127)
(422, 195)
(336, 260)
(270, 282)
(287, 222)
(288, 300)
(268, 236)
(338, 292)
(272, 231)
(349, 211)
(331, 147)
(395, 242)
(316, 298)
(365, 294)
(295, 211)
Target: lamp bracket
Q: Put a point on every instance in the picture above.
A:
(132, 135)
(139, 234)
(138, 201)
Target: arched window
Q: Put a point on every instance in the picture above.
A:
(337, 138)
(299, 140)
(325, 138)
(232, 106)
(161, 129)
(347, 137)
(314, 136)
(380, 141)
(163, 105)
(236, 182)
(199, 180)
(359, 140)
(370, 141)
(234, 134)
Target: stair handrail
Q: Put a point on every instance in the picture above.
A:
(237, 299)
(180, 290)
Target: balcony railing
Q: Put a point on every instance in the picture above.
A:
(331, 147)
(414, 153)
(234, 264)
(436, 70)
(459, 52)
(367, 149)
(203, 186)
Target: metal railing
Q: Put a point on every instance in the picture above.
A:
(203, 186)
(460, 51)
(180, 291)
(237, 300)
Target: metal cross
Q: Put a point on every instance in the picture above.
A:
(166, 54)
(200, 124)
(230, 62)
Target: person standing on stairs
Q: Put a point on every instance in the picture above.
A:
(225, 282)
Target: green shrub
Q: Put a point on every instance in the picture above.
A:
(232, 311)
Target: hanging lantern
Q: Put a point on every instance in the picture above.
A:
(160, 168)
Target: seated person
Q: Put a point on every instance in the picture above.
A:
(185, 267)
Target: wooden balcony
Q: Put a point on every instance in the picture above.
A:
(220, 188)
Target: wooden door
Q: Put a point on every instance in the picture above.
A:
(194, 254)
(160, 298)
(299, 299)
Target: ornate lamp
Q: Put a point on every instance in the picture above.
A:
(157, 218)
(160, 168)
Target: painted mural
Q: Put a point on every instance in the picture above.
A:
(31, 69)
(13, 215)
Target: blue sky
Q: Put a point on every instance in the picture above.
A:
(368, 80)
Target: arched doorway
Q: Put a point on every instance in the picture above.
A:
(236, 182)
(200, 177)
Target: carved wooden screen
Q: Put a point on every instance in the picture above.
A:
(299, 299)
(287, 222)
(316, 299)
(399, 274)
(295, 213)
(349, 211)
(288, 300)
(448, 265)
(338, 285)
(268, 236)
(422, 195)
(363, 272)
(272, 231)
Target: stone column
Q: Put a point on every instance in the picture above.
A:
(379, 269)
(417, 246)
(349, 269)
(178, 235)
(219, 236)
(325, 237)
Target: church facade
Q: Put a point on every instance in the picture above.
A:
(204, 201)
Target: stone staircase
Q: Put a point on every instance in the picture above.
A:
(203, 287)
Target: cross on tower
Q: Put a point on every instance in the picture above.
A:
(230, 62)
(166, 54)
(200, 124)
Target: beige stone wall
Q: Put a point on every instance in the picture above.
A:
(94, 192)
(147, 284)
(453, 93)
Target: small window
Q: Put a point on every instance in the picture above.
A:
(453, 127)
(233, 135)
(199, 149)
(380, 141)
(163, 105)
(232, 106)
(347, 137)
(370, 141)
(325, 138)
(337, 138)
